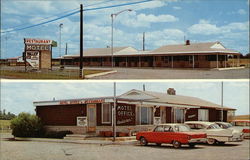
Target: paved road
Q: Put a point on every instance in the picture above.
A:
(29, 150)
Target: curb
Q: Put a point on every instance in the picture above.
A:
(98, 142)
(230, 68)
(100, 74)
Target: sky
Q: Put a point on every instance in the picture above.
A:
(164, 22)
(18, 96)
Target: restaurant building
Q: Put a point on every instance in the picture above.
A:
(135, 111)
(188, 55)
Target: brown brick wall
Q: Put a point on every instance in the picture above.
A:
(45, 60)
(64, 115)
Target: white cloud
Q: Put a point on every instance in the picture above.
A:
(242, 11)
(167, 36)
(177, 8)
(204, 27)
(144, 20)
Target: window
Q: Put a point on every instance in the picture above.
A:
(179, 115)
(106, 113)
(145, 115)
(202, 115)
(168, 129)
(159, 129)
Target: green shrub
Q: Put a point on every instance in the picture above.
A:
(27, 125)
(57, 134)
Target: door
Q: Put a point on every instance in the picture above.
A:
(91, 113)
(163, 114)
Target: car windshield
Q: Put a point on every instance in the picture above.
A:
(214, 126)
(229, 125)
(182, 128)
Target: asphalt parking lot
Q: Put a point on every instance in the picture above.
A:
(159, 73)
(149, 73)
(30, 150)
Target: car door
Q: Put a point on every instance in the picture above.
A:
(157, 135)
(168, 134)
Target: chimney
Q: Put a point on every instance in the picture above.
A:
(187, 42)
(171, 91)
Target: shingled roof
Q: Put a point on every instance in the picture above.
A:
(207, 47)
(158, 97)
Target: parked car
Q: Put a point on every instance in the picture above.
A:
(176, 134)
(215, 134)
(244, 129)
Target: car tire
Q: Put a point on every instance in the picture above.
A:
(211, 141)
(221, 143)
(191, 145)
(158, 144)
(176, 144)
(143, 141)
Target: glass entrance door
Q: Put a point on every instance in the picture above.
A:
(91, 117)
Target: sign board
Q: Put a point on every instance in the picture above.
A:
(81, 121)
(125, 114)
(157, 120)
(33, 47)
(37, 41)
(32, 57)
(81, 101)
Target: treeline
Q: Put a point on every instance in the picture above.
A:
(6, 116)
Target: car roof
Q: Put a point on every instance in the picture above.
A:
(222, 122)
(170, 124)
(199, 122)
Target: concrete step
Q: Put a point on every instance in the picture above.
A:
(95, 137)
(79, 136)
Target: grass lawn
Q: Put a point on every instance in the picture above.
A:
(5, 126)
(55, 74)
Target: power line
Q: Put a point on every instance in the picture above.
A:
(49, 17)
(70, 14)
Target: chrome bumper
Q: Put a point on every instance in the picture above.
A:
(233, 139)
(197, 140)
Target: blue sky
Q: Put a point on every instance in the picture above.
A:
(18, 96)
(165, 22)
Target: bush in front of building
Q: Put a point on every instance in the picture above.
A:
(27, 125)
(57, 134)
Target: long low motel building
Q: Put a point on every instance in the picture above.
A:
(188, 55)
(135, 111)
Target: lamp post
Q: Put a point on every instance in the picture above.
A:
(60, 32)
(113, 15)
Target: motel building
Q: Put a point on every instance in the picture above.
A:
(188, 55)
(135, 111)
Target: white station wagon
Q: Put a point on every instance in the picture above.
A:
(215, 134)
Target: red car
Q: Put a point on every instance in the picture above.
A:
(176, 134)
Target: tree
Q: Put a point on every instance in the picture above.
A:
(27, 125)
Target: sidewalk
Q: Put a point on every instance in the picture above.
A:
(96, 140)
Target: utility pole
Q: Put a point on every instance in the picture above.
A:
(81, 42)
(66, 49)
(222, 101)
(143, 42)
(60, 38)
(114, 114)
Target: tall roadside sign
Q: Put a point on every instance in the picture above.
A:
(38, 53)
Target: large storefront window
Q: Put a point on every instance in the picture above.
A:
(202, 115)
(179, 115)
(144, 115)
(106, 113)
